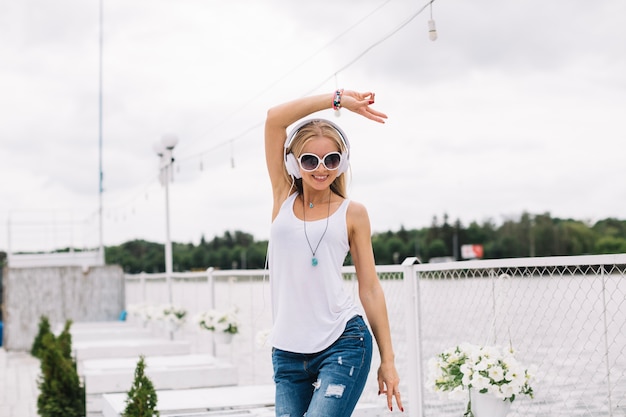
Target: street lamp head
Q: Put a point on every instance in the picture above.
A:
(169, 141)
(159, 148)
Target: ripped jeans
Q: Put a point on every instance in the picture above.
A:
(328, 383)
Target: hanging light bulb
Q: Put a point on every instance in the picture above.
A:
(432, 30)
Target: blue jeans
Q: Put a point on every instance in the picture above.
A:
(324, 384)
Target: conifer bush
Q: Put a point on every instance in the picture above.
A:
(65, 342)
(142, 397)
(61, 393)
(44, 328)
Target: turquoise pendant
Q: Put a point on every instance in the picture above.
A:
(314, 261)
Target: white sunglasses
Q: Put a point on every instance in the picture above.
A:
(310, 162)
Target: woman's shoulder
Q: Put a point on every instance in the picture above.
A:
(357, 211)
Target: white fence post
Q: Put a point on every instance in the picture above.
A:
(414, 352)
(142, 280)
(211, 282)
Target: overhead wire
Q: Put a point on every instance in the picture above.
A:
(341, 69)
(229, 141)
(295, 68)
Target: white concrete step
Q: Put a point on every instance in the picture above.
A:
(239, 401)
(103, 333)
(165, 372)
(127, 348)
(186, 402)
(103, 376)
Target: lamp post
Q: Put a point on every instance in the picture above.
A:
(164, 149)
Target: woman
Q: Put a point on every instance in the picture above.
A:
(322, 347)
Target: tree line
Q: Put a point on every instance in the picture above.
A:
(527, 235)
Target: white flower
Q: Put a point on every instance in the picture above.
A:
(173, 314)
(508, 390)
(217, 321)
(496, 373)
(143, 312)
(480, 382)
(489, 369)
(261, 338)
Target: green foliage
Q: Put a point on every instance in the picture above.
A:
(142, 398)
(527, 235)
(61, 393)
(610, 244)
(65, 341)
(233, 250)
(44, 329)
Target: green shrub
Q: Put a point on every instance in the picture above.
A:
(61, 393)
(142, 398)
(65, 342)
(44, 329)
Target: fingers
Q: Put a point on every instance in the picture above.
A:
(399, 400)
(376, 113)
(372, 114)
(391, 394)
(360, 103)
(369, 112)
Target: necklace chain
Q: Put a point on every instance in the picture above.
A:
(313, 252)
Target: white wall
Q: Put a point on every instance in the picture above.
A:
(60, 293)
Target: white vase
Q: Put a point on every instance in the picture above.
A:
(487, 405)
(172, 326)
(223, 337)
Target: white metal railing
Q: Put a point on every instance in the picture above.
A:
(566, 315)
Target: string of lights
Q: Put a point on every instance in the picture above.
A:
(197, 159)
(317, 86)
(122, 211)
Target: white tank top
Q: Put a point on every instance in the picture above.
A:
(310, 304)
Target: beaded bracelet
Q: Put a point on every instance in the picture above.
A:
(337, 101)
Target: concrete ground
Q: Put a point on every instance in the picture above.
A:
(19, 372)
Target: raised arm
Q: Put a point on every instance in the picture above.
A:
(280, 117)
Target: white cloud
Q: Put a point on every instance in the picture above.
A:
(517, 106)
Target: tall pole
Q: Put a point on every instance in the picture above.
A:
(100, 188)
(168, 241)
(164, 150)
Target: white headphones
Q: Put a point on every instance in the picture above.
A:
(291, 163)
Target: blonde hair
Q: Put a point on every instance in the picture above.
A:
(315, 129)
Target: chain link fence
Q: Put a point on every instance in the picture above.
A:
(565, 315)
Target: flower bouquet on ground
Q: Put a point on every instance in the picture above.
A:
(219, 321)
(458, 371)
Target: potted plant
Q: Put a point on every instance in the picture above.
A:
(173, 316)
(143, 313)
(490, 375)
(223, 324)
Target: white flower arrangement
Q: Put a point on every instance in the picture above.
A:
(173, 314)
(219, 321)
(143, 312)
(486, 369)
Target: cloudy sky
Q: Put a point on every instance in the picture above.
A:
(519, 105)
